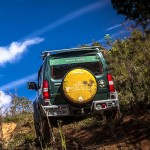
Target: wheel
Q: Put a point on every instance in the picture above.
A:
(79, 86)
(36, 120)
(45, 132)
(36, 126)
(112, 115)
(42, 127)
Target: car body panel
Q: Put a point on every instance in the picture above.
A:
(77, 58)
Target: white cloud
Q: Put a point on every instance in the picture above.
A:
(5, 101)
(114, 27)
(16, 49)
(70, 16)
(19, 82)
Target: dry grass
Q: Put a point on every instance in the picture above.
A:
(88, 134)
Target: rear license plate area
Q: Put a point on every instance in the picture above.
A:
(58, 112)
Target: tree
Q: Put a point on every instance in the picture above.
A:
(136, 10)
(94, 43)
(20, 105)
(129, 60)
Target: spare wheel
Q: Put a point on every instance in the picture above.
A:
(79, 86)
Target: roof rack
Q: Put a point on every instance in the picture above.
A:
(44, 54)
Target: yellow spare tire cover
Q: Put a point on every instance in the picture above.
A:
(79, 86)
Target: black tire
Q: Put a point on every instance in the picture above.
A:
(45, 134)
(42, 127)
(112, 115)
(36, 120)
(36, 126)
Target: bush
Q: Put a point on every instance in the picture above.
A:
(129, 61)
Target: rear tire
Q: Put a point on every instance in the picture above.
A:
(113, 115)
(46, 132)
(36, 126)
(42, 127)
(36, 120)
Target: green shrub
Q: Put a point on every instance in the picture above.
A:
(129, 61)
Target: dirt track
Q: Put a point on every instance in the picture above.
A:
(133, 133)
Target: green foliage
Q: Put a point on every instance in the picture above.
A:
(19, 118)
(108, 40)
(89, 122)
(63, 141)
(10, 119)
(138, 11)
(129, 60)
(20, 105)
(23, 135)
(94, 43)
(28, 138)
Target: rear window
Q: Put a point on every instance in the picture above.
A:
(58, 71)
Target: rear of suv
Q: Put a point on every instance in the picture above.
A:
(72, 82)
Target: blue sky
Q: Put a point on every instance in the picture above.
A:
(29, 27)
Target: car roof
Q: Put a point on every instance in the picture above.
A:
(70, 52)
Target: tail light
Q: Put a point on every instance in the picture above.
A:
(111, 83)
(46, 94)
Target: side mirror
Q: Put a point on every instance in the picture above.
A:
(32, 86)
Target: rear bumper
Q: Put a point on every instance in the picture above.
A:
(102, 105)
(98, 106)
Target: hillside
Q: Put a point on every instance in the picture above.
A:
(133, 132)
(128, 61)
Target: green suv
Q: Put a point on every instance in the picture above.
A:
(72, 82)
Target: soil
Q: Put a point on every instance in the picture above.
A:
(130, 133)
(8, 130)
